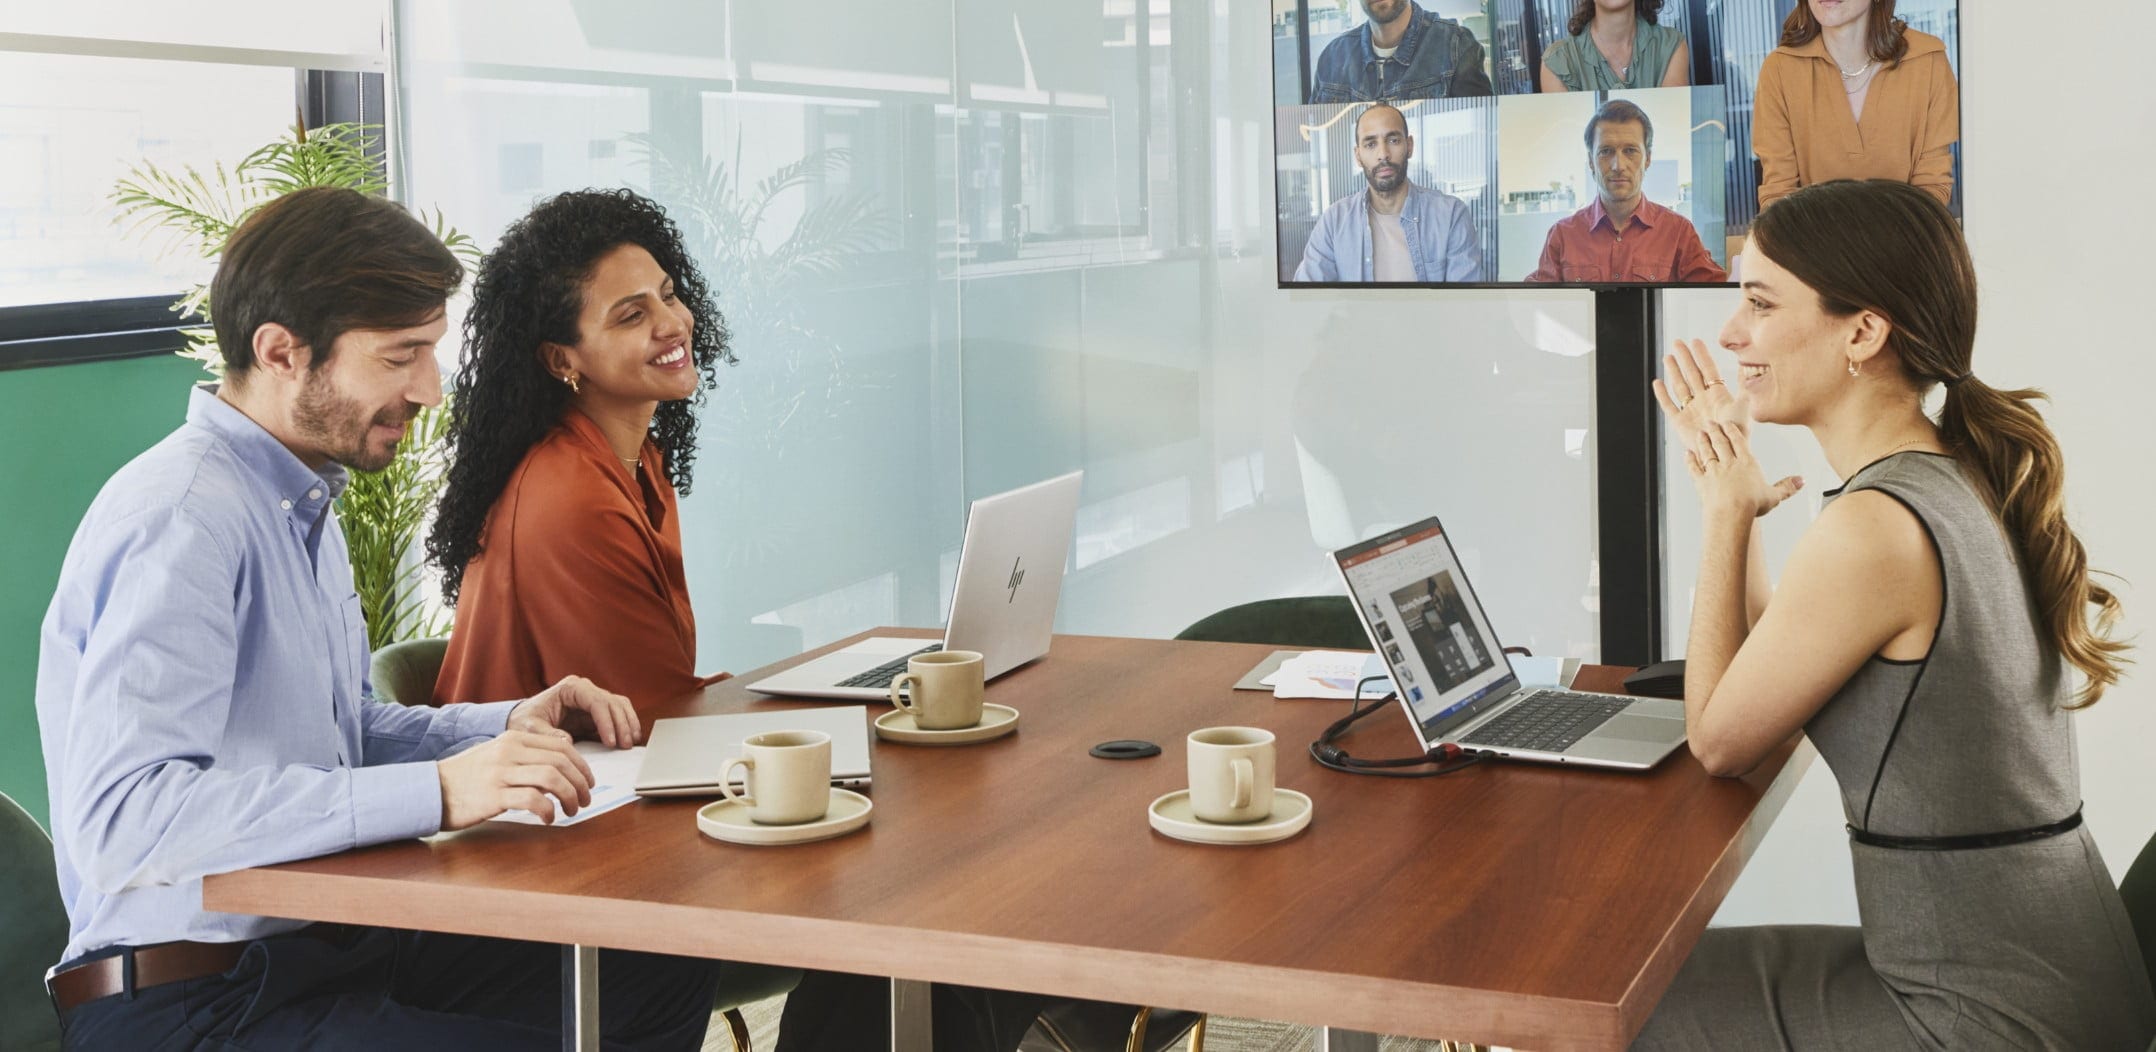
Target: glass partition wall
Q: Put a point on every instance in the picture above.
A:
(968, 244)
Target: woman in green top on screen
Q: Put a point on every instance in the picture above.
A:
(1613, 44)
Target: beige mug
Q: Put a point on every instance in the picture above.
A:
(948, 689)
(1231, 774)
(789, 777)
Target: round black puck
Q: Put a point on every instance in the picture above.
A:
(1125, 749)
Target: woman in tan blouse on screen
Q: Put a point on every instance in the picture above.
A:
(1854, 93)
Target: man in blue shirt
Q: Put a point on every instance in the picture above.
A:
(1402, 52)
(1391, 230)
(203, 701)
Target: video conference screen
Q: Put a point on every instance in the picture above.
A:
(1589, 142)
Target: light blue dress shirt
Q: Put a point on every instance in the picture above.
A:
(202, 690)
(1440, 232)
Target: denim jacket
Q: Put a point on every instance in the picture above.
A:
(1441, 239)
(1436, 59)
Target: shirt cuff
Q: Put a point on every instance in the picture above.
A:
(484, 720)
(397, 801)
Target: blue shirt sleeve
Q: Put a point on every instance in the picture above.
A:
(1463, 250)
(148, 791)
(393, 733)
(1318, 263)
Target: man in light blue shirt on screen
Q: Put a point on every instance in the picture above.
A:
(203, 701)
(1391, 230)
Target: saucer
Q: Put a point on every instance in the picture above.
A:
(1171, 816)
(996, 721)
(729, 821)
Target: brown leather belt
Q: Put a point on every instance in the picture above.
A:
(169, 962)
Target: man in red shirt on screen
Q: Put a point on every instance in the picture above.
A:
(1620, 235)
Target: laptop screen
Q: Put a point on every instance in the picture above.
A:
(1425, 621)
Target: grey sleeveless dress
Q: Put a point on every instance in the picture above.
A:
(2024, 946)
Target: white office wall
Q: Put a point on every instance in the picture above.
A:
(2064, 294)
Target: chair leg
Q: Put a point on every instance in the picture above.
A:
(1137, 1030)
(1197, 1035)
(738, 1029)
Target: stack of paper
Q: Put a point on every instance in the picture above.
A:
(1329, 674)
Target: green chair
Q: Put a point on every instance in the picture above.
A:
(1321, 622)
(33, 931)
(405, 673)
(2139, 891)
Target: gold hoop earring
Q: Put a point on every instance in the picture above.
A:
(571, 381)
(1854, 370)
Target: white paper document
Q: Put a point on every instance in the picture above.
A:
(613, 778)
(1329, 674)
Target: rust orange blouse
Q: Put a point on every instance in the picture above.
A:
(579, 573)
(1804, 133)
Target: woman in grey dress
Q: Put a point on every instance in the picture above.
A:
(1927, 634)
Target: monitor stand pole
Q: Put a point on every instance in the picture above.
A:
(1628, 474)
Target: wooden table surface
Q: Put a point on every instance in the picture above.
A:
(1534, 906)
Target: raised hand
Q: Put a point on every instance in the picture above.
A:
(1693, 396)
(1729, 479)
(518, 769)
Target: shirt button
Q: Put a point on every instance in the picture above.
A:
(285, 504)
(314, 494)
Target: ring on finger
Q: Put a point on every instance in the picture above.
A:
(1714, 383)
(1682, 402)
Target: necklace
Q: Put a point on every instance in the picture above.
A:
(632, 465)
(1898, 449)
(1861, 70)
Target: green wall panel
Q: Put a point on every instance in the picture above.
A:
(64, 430)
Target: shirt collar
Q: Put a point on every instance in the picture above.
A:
(1646, 215)
(300, 492)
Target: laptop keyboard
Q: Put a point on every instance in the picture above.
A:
(880, 677)
(1547, 721)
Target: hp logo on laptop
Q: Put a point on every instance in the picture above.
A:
(1018, 577)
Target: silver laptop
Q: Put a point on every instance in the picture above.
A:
(1455, 681)
(683, 756)
(1010, 571)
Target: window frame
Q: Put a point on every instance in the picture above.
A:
(327, 89)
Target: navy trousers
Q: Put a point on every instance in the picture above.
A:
(375, 988)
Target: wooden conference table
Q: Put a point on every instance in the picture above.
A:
(1512, 904)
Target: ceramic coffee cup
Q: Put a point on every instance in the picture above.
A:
(1231, 774)
(947, 689)
(789, 779)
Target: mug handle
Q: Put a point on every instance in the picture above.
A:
(899, 700)
(1246, 781)
(726, 780)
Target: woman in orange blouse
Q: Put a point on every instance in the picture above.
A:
(590, 340)
(1854, 93)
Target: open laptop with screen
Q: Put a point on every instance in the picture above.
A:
(1010, 572)
(1455, 681)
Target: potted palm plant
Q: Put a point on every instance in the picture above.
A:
(191, 210)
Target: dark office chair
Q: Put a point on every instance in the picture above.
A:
(33, 931)
(2139, 891)
(1323, 622)
(405, 673)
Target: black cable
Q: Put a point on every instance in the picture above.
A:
(1445, 759)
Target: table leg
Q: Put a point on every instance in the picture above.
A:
(912, 1027)
(1333, 1039)
(579, 998)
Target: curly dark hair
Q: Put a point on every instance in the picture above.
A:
(1583, 12)
(529, 292)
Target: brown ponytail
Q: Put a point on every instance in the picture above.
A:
(1912, 268)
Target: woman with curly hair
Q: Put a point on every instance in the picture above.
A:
(590, 341)
(1612, 44)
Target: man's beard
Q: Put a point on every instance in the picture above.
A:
(1369, 9)
(337, 424)
(1386, 184)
